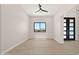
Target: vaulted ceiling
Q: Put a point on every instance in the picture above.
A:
(51, 8)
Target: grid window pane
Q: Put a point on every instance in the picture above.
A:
(64, 24)
(37, 27)
(71, 20)
(71, 28)
(71, 24)
(42, 26)
(64, 20)
(64, 32)
(71, 33)
(65, 37)
(71, 37)
(64, 28)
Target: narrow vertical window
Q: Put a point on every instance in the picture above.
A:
(69, 28)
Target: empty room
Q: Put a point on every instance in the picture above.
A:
(39, 29)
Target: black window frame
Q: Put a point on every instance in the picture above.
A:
(40, 27)
(67, 18)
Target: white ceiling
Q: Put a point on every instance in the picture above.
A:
(51, 8)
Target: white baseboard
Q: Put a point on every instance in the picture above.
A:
(3, 53)
(41, 38)
(60, 42)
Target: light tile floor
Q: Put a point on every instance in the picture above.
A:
(45, 47)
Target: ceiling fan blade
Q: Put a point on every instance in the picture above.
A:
(37, 11)
(39, 5)
(44, 10)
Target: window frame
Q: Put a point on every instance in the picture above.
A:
(40, 27)
(68, 28)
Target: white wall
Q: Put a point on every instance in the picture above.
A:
(49, 26)
(58, 28)
(77, 18)
(14, 26)
(0, 29)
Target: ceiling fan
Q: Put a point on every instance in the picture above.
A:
(40, 9)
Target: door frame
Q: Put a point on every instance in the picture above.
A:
(74, 27)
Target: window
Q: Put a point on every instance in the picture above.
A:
(69, 28)
(39, 26)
